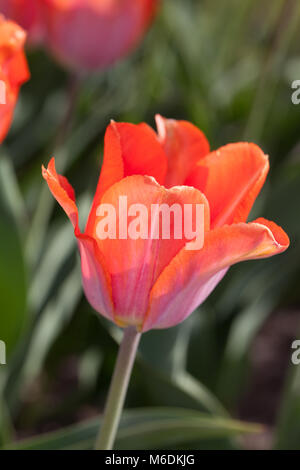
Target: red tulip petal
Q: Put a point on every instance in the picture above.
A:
(184, 144)
(192, 275)
(95, 276)
(231, 179)
(135, 264)
(129, 149)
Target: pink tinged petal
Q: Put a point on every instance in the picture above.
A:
(192, 275)
(95, 276)
(135, 264)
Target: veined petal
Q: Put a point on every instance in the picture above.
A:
(231, 178)
(95, 276)
(136, 263)
(129, 149)
(184, 145)
(191, 276)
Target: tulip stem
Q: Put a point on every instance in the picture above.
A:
(118, 389)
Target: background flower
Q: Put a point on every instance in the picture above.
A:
(92, 34)
(13, 70)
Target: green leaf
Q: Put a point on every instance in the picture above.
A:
(171, 384)
(12, 274)
(150, 428)
(288, 430)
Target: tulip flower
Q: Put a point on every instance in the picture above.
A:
(158, 283)
(27, 14)
(146, 283)
(92, 34)
(13, 70)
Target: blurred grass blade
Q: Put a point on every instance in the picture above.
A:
(13, 298)
(169, 385)
(60, 245)
(55, 316)
(10, 192)
(272, 69)
(288, 429)
(150, 428)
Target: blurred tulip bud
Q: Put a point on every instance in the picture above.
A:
(92, 34)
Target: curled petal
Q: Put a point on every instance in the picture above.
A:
(129, 149)
(231, 178)
(62, 191)
(95, 276)
(191, 276)
(184, 145)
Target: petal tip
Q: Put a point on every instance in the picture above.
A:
(280, 237)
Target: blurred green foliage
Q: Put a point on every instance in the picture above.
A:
(228, 68)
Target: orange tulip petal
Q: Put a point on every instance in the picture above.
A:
(95, 276)
(129, 149)
(17, 68)
(62, 191)
(191, 276)
(13, 70)
(231, 179)
(135, 264)
(7, 107)
(184, 144)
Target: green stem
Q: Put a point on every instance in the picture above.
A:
(118, 389)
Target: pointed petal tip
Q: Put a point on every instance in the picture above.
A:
(278, 235)
(62, 191)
